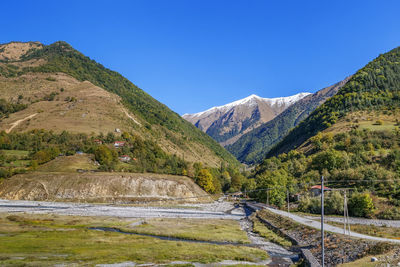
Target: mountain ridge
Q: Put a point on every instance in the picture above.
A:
(228, 122)
(251, 147)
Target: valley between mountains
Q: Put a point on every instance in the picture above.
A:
(94, 171)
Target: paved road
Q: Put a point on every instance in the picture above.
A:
(200, 211)
(353, 220)
(327, 227)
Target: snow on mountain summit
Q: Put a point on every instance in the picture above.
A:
(228, 122)
(251, 100)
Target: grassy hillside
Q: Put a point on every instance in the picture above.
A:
(252, 147)
(353, 139)
(158, 119)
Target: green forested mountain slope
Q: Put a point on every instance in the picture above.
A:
(374, 87)
(252, 147)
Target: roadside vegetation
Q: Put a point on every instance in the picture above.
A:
(260, 228)
(373, 230)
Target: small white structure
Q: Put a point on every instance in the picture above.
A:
(125, 158)
(118, 144)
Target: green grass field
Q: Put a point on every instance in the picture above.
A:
(197, 229)
(45, 240)
(15, 153)
(69, 164)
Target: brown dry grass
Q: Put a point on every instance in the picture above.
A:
(14, 50)
(94, 111)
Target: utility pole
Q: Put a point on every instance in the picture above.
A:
(322, 222)
(346, 214)
(267, 197)
(288, 209)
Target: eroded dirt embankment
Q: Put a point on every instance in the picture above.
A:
(101, 187)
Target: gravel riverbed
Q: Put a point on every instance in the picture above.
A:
(216, 210)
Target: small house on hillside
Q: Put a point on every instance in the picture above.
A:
(119, 144)
(125, 158)
(316, 190)
(98, 141)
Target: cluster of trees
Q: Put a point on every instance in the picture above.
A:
(223, 179)
(7, 108)
(359, 204)
(146, 156)
(46, 145)
(361, 159)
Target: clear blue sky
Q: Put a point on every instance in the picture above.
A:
(194, 54)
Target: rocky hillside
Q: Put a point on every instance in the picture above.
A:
(54, 87)
(252, 146)
(101, 187)
(229, 122)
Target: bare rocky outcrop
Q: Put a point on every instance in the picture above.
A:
(101, 187)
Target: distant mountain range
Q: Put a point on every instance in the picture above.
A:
(227, 123)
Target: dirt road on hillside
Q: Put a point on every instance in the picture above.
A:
(16, 123)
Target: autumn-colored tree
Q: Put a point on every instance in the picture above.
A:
(205, 180)
(106, 156)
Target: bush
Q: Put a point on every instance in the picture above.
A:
(106, 156)
(390, 214)
(361, 205)
(310, 205)
(334, 203)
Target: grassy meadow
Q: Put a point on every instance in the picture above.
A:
(45, 240)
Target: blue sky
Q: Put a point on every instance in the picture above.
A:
(195, 54)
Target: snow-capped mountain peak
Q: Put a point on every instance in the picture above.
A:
(250, 101)
(228, 122)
